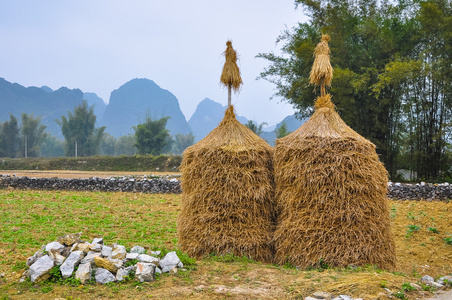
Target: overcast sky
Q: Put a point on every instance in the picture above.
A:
(97, 46)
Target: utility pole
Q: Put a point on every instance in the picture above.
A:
(26, 146)
(75, 149)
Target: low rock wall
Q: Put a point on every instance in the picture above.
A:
(125, 184)
(396, 191)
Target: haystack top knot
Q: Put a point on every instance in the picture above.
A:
(231, 72)
(322, 71)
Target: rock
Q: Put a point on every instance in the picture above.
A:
(70, 239)
(170, 261)
(145, 272)
(147, 259)
(40, 270)
(98, 241)
(416, 286)
(121, 273)
(180, 265)
(84, 272)
(435, 284)
(343, 297)
(427, 279)
(106, 251)
(104, 276)
(56, 257)
(322, 295)
(156, 253)
(105, 264)
(138, 249)
(130, 256)
(32, 259)
(67, 268)
(96, 247)
(54, 245)
(118, 252)
(158, 270)
(173, 271)
(310, 298)
(443, 280)
(90, 257)
(85, 247)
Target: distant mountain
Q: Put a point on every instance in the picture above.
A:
(46, 89)
(135, 100)
(44, 102)
(292, 124)
(99, 104)
(207, 116)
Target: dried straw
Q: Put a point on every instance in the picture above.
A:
(227, 199)
(322, 69)
(231, 73)
(331, 196)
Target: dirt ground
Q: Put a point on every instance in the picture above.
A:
(79, 174)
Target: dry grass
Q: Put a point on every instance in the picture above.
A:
(227, 199)
(330, 193)
(26, 222)
(231, 73)
(322, 69)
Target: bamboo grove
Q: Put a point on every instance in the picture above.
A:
(392, 80)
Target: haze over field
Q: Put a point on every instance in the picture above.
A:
(98, 46)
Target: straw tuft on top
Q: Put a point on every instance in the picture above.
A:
(231, 72)
(322, 69)
(227, 202)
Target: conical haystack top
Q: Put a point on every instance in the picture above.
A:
(230, 134)
(322, 71)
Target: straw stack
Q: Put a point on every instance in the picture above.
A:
(227, 199)
(331, 195)
(227, 187)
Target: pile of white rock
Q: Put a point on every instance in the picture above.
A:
(97, 261)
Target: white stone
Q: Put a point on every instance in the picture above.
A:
(98, 241)
(32, 259)
(67, 268)
(427, 279)
(90, 257)
(118, 252)
(137, 249)
(130, 256)
(322, 295)
(57, 257)
(121, 273)
(145, 272)
(147, 259)
(96, 247)
(106, 251)
(104, 276)
(156, 253)
(40, 270)
(170, 261)
(83, 272)
(54, 245)
(422, 183)
(180, 265)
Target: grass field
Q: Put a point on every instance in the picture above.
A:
(28, 219)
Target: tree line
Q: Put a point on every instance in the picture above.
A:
(392, 80)
(82, 138)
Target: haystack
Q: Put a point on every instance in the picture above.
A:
(227, 187)
(331, 195)
(227, 199)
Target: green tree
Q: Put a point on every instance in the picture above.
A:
(282, 131)
(52, 147)
(108, 145)
(125, 145)
(257, 129)
(33, 135)
(79, 131)
(151, 136)
(9, 138)
(182, 142)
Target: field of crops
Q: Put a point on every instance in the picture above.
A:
(28, 219)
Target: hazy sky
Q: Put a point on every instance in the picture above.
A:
(98, 46)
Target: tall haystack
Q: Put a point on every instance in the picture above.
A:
(330, 195)
(227, 198)
(227, 188)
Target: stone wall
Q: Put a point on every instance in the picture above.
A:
(396, 191)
